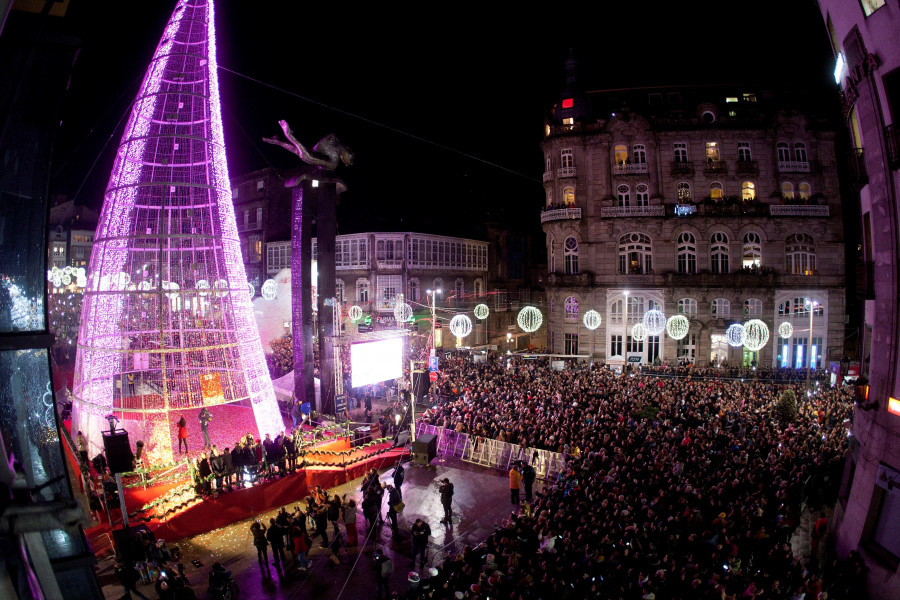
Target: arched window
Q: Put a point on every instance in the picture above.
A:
(438, 284)
(752, 307)
(567, 159)
(571, 255)
(681, 152)
(412, 290)
(549, 162)
(643, 194)
(743, 151)
(639, 154)
(635, 254)
(751, 252)
(784, 151)
(623, 195)
(787, 190)
(687, 254)
(716, 191)
(687, 306)
(800, 254)
(549, 197)
(800, 152)
(362, 290)
(718, 253)
(459, 287)
(748, 191)
(551, 257)
(479, 288)
(635, 309)
(720, 308)
(339, 290)
(803, 191)
(712, 152)
(621, 154)
(683, 192)
(571, 308)
(569, 196)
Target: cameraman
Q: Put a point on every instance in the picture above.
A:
(446, 491)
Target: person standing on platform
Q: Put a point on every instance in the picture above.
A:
(205, 417)
(81, 445)
(295, 412)
(399, 474)
(528, 477)
(217, 465)
(228, 465)
(204, 471)
(515, 483)
(237, 463)
(446, 490)
(182, 435)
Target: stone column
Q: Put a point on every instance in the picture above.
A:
(325, 243)
(302, 206)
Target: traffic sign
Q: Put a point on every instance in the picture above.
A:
(433, 363)
(432, 376)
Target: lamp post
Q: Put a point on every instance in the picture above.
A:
(433, 294)
(811, 306)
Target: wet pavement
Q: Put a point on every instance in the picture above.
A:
(480, 502)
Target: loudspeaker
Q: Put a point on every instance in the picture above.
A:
(119, 458)
(424, 449)
(420, 383)
(402, 439)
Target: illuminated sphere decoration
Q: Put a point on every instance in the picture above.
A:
(735, 335)
(757, 334)
(203, 286)
(251, 289)
(403, 312)
(355, 313)
(269, 289)
(482, 311)
(222, 286)
(530, 319)
(654, 322)
(460, 326)
(677, 327)
(591, 319)
(785, 330)
(638, 332)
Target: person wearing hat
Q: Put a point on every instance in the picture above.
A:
(446, 490)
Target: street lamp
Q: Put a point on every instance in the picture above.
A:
(810, 306)
(434, 294)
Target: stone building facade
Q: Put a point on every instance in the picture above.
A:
(719, 204)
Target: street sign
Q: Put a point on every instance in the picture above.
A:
(361, 328)
(340, 405)
(432, 376)
(433, 363)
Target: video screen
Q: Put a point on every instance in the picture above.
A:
(372, 362)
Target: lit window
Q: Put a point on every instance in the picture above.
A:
(870, 6)
(712, 152)
(731, 99)
(569, 196)
(748, 191)
(571, 308)
(716, 192)
(803, 191)
(683, 192)
(635, 254)
(787, 191)
(800, 254)
(751, 251)
(749, 97)
(621, 154)
(568, 102)
(568, 121)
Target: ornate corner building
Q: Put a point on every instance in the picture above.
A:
(717, 203)
(863, 36)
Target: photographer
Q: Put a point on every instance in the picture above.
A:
(421, 531)
(446, 491)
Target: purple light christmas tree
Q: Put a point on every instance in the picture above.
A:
(167, 325)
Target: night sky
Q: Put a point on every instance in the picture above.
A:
(442, 104)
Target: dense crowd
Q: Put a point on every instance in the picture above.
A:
(674, 488)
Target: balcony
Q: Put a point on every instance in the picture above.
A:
(547, 176)
(892, 146)
(856, 159)
(793, 166)
(799, 210)
(682, 168)
(865, 280)
(561, 214)
(715, 167)
(565, 172)
(611, 212)
(749, 167)
(745, 278)
(630, 168)
(582, 279)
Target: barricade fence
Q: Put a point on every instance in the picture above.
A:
(492, 453)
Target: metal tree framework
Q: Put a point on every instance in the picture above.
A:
(167, 323)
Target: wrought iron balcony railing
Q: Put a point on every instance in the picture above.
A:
(793, 166)
(565, 172)
(561, 214)
(799, 210)
(630, 168)
(656, 210)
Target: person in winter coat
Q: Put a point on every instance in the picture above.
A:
(393, 500)
(515, 483)
(237, 463)
(399, 474)
(275, 536)
(349, 508)
(446, 491)
(421, 531)
(228, 465)
(301, 542)
(334, 512)
(258, 531)
(182, 435)
(528, 477)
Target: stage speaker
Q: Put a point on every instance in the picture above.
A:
(402, 439)
(424, 449)
(420, 383)
(119, 458)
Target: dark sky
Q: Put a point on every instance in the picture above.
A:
(448, 100)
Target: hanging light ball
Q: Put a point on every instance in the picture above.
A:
(654, 322)
(785, 330)
(402, 312)
(482, 311)
(529, 319)
(677, 327)
(66, 279)
(735, 335)
(638, 332)
(251, 289)
(173, 287)
(269, 289)
(202, 287)
(757, 334)
(591, 319)
(460, 326)
(355, 313)
(222, 286)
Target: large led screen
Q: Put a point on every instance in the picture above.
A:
(371, 362)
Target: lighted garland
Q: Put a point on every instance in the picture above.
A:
(482, 311)
(529, 319)
(591, 319)
(654, 322)
(460, 326)
(355, 313)
(735, 335)
(757, 335)
(785, 330)
(677, 327)
(638, 332)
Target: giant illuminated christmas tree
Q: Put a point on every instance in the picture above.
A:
(167, 324)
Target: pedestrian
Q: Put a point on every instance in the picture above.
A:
(399, 474)
(349, 508)
(205, 417)
(421, 531)
(182, 435)
(237, 463)
(128, 576)
(302, 542)
(258, 531)
(528, 477)
(275, 537)
(394, 503)
(81, 444)
(334, 512)
(515, 483)
(368, 414)
(320, 517)
(295, 413)
(384, 568)
(446, 491)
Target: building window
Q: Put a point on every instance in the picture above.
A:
(784, 151)
(260, 185)
(571, 343)
(800, 254)
(623, 195)
(635, 254)
(551, 257)
(437, 284)
(683, 192)
(339, 290)
(712, 152)
(634, 345)
(752, 307)
(687, 349)
(616, 315)
(362, 290)
(803, 191)
(748, 191)
(571, 256)
(412, 290)
(718, 252)
(720, 308)
(886, 531)
(716, 191)
(687, 254)
(643, 194)
(569, 196)
(479, 288)
(259, 216)
(743, 151)
(652, 347)
(751, 252)
(615, 345)
(460, 290)
(800, 152)
(687, 307)
(870, 6)
(567, 159)
(635, 308)
(547, 168)
(254, 243)
(787, 191)
(621, 154)
(388, 288)
(571, 308)
(639, 154)
(681, 152)
(234, 193)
